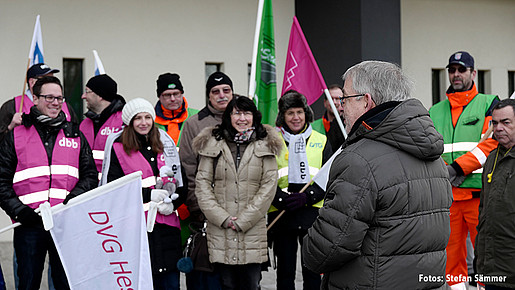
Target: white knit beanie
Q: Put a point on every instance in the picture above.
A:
(133, 107)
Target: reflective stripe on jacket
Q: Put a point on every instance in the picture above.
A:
(137, 162)
(35, 181)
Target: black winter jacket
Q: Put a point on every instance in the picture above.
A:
(88, 179)
(386, 223)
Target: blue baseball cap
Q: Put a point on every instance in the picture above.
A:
(462, 58)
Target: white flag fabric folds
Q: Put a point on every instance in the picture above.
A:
(99, 67)
(101, 237)
(36, 46)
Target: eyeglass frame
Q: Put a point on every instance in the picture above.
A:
(342, 99)
(245, 114)
(169, 96)
(60, 100)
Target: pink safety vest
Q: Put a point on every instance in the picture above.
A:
(136, 162)
(27, 104)
(35, 181)
(97, 144)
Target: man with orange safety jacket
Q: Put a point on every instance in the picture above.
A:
(463, 119)
(45, 158)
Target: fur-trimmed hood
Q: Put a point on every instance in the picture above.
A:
(272, 141)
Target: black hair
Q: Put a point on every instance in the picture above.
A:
(45, 80)
(245, 104)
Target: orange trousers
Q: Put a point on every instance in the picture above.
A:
(464, 219)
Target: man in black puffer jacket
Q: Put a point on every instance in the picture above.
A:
(385, 222)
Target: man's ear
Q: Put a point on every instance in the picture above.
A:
(369, 103)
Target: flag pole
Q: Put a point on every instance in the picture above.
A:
(335, 112)
(283, 211)
(252, 83)
(24, 86)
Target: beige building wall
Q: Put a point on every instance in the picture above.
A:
(137, 41)
(434, 29)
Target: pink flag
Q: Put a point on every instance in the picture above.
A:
(301, 72)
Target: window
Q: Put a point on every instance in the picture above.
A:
(73, 85)
(438, 85)
(210, 68)
(483, 82)
(511, 83)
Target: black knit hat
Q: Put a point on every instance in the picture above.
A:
(104, 86)
(215, 79)
(168, 81)
(293, 99)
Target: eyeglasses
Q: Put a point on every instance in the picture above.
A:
(342, 99)
(245, 114)
(169, 96)
(50, 98)
(226, 90)
(461, 69)
(88, 92)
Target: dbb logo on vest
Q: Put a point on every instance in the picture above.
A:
(108, 130)
(65, 142)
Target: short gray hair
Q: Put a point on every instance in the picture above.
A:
(384, 81)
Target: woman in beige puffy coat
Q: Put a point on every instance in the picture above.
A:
(235, 185)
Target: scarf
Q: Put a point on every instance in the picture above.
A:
(46, 120)
(172, 119)
(241, 137)
(298, 167)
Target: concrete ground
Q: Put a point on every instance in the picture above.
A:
(6, 261)
(6, 255)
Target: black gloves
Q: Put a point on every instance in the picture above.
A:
(455, 179)
(295, 200)
(28, 217)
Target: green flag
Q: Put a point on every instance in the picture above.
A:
(263, 84)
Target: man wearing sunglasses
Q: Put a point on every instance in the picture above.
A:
(46, 158)
(463, 119)
(10, 115)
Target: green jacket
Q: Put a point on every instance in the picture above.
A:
(495, 241)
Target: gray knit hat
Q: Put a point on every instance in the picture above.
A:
(293, 99)
(135, 106)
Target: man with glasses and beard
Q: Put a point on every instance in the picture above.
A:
(463, 119)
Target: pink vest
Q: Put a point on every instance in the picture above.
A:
(136, 162)
(97, 144)
(27, 104)
(35, 181)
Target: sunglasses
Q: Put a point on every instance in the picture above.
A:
(461, 69)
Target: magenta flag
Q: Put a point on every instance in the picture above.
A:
(301, 72)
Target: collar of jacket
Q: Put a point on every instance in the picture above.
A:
(460, 99)
(372, 118)
(115, 106)
(209, 111)
(170, 115)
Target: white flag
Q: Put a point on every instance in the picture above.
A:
(322, 175)
(36, 47)
(99, 67)
(101, 237)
